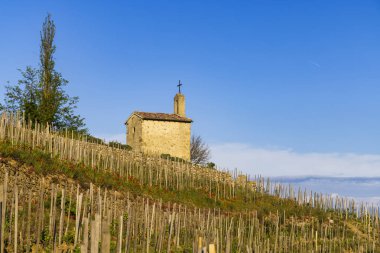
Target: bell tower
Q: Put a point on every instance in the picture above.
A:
(179, 102)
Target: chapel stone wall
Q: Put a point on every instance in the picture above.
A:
(166, 137)
(134, 133)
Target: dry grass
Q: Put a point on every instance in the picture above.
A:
(53, 214)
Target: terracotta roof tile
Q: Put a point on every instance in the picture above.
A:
(162, 116)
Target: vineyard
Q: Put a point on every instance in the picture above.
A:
(63, 193)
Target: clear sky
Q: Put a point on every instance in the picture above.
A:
(273, 86)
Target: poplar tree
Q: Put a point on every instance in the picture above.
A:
(40, 94)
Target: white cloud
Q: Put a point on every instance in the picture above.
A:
(367, 200)
(285, 162)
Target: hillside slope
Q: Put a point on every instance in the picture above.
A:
(268, 222)
(62, 193)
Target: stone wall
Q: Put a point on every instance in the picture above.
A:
(179, 105)
(134, 133)
(166, 137)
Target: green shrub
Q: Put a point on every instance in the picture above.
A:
(45, 237)
(115, 144)
(211, 165)
(69, 237)
(172, 158)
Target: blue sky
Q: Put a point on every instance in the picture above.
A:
(282, 77)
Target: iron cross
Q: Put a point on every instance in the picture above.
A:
(179, 86)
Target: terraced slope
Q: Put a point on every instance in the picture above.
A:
(80, 196)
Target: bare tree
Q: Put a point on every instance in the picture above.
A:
(199, 151)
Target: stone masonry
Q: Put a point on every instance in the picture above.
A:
(161, 133)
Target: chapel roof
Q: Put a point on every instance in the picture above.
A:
(161, 116)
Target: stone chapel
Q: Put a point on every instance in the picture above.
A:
(161, 133)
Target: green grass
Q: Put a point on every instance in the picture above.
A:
(43, 164)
